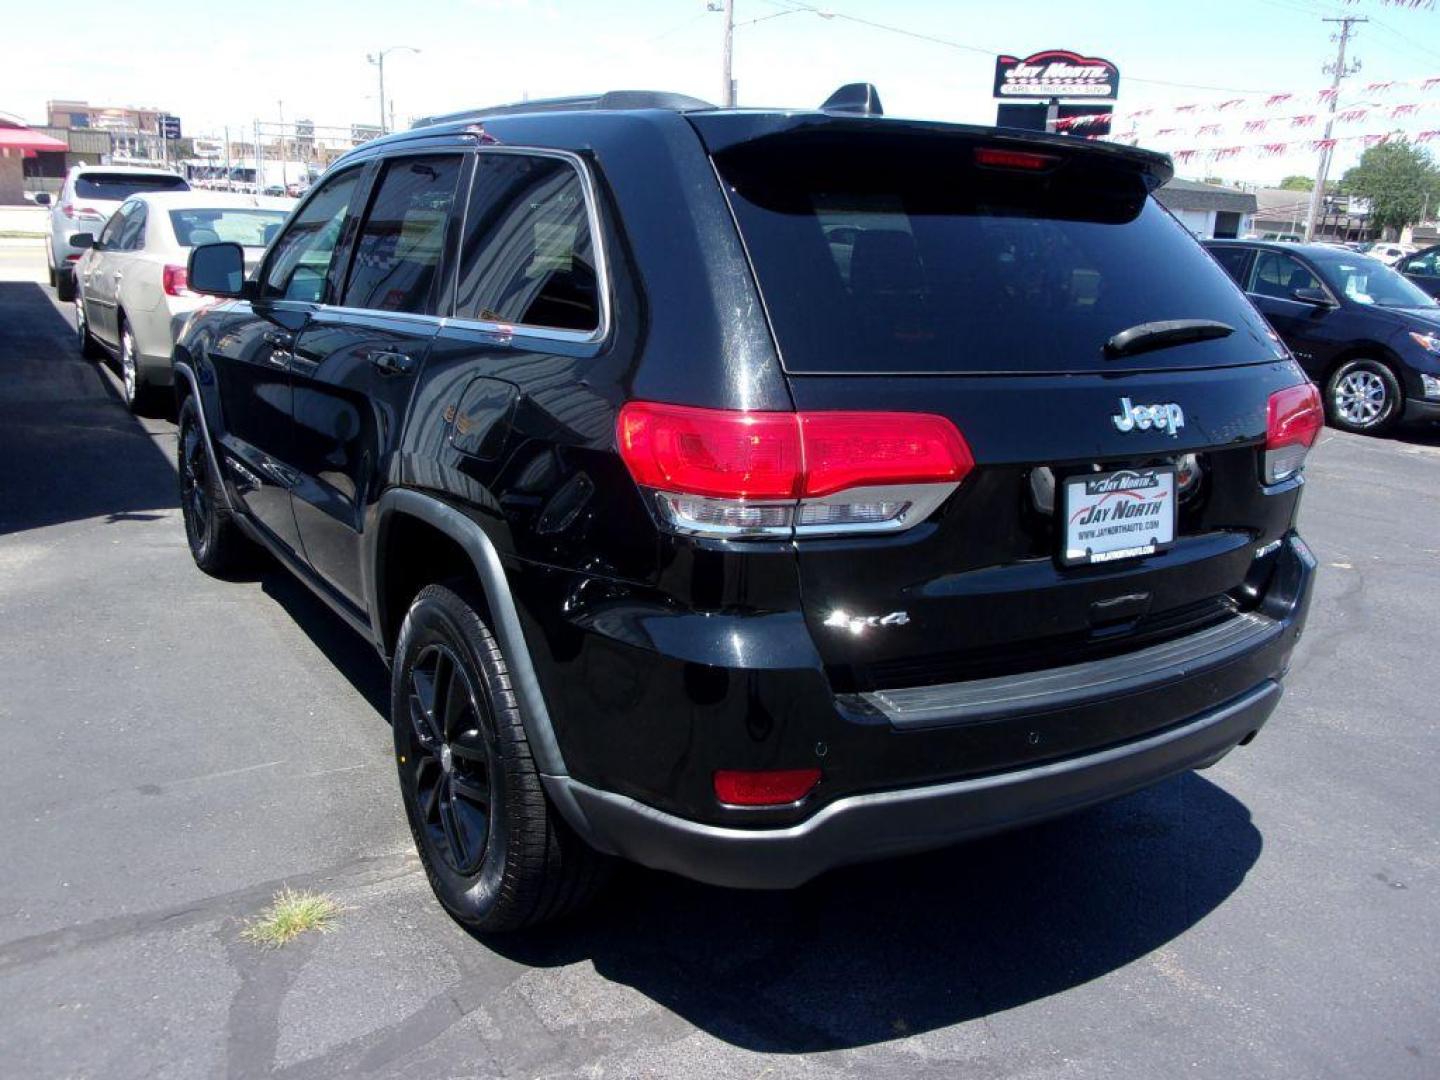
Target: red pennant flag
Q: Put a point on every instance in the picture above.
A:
(1255, 125)
(1274, 149)
(1208, 129)
(1229, 104)
(1277, 99)
(1403, 110)
(1183, 155)
(1301, 121)
(1227, 152)
(1320, 145)
(1426, 136)
(1350, 116)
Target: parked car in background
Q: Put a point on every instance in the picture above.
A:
(1423, 268)
(1363, 332)
(1389, 253)
(90, 194)
(747, 493)
(133, 297)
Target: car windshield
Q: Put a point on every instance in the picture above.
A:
(120, 186)
(243, 225)
(1367, 281)
(887, 254)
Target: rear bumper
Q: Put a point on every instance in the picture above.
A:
(888, 823)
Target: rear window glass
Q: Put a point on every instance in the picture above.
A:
(233, 225)
(878, 254)
(117, 186)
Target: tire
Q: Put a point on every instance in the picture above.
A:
(216, 543)
(137, 391)
(50, 270)
(65, 285)
(498, 856)
(1364, 397)
(89, 348)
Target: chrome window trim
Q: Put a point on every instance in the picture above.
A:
(597, 241)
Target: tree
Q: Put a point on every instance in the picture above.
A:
(1398, 179)
(1298, 183)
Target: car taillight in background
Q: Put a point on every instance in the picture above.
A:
(1293, 422)
(70, 210)
(732, 473)
(175, 280)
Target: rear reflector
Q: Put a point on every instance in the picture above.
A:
(768, 787)
(765, 473)
(996, 158)
(1294, 418)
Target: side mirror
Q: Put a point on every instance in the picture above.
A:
(83, 240)
(42, 198)
(217, 269)
(1315, 297)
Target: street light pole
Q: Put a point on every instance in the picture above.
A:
(378, 59)
(1317, 193)
(727, 96)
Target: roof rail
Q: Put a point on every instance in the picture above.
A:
(614, 99)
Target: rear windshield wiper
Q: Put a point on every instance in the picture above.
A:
(1161, 335)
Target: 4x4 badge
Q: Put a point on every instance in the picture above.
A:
(1167, 416)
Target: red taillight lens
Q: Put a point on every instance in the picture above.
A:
(766, 787)
(175, 280)
(731, 472)
(994, 157)
(1294, 418)
(67, 209)
(849, 450)
(737, 455)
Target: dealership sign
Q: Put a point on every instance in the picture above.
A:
(1055, 73)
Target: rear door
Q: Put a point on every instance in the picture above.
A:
(907, 271)
(97, 278)
(252, 358)
(355, 362)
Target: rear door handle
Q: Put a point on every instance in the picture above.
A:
(391, 363)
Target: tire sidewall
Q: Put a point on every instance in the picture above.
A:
(1394, 396)
(440, 616)
(200, 551)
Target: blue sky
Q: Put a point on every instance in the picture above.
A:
(216, 64)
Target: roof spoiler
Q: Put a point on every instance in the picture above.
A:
(859, 98)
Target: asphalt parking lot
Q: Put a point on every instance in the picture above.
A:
(177, 748)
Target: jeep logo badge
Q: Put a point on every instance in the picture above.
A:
(1167, 416)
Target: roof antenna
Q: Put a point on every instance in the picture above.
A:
(860, 98)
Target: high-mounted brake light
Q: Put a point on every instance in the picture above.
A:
(995, 157)
(765, 787)
(1294, 417)
(734, 473)
(175, 281)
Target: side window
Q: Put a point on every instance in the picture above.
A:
(132, 236)
(1423, 264)
(528, 257)
(300, 259)
(397, 250)
(1233, 260)
(1279, 275)
(110, 234)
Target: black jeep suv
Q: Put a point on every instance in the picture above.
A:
(745, 493)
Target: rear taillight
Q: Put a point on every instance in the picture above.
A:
(1293, 421)
(732, 473)
(765, 787)
(68, 209)
(175, 280)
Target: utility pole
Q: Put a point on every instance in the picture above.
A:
(1339, 71)
(727, 92)
(380, 62)
(284, 170)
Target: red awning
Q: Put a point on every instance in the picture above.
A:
(25, 139)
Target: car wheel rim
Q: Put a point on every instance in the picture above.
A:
(1361, 398)
(194, 487)
(127, 365)
(451, 758)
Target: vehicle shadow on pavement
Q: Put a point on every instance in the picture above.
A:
(70, 450)
(882, 951)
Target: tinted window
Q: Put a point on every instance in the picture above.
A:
(132, 236)
(110, 234)
(1279, 275)
(1233, 260)
(117, 186)
(898, 253)
(398, 249)
(301, 258)
(528, 257)
(1425, 263)
(235, 225)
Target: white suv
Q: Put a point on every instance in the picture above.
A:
(90, 195)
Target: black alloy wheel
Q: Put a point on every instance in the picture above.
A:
(215, 541)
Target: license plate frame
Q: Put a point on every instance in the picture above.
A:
(1108, 536)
